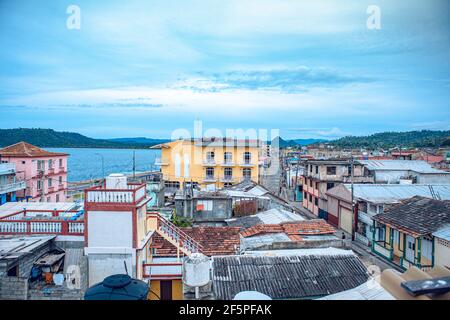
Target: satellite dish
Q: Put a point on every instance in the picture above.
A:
(251, 295)
(58, 279)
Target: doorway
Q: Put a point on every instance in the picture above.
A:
(166, 289)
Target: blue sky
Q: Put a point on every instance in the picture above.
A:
(311, 69)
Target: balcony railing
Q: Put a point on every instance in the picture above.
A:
(133, 194)
(209, 178)
(10, 187)
(382, 251)
(227, 179)
(62, 227)
(61, 187)
(209, 162)
(171, 231)
(227, 163)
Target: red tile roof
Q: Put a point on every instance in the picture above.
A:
(25, 149)
(293, 229)
(215, 241)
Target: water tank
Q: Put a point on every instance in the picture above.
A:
(196, 270)
(118, 287)
(116, 181)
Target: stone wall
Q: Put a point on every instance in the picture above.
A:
(13, 288)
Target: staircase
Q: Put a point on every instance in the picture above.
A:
(170, 232)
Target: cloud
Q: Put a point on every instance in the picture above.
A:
(298, 79)
(333, 132)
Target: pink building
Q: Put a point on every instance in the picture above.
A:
(45, 172)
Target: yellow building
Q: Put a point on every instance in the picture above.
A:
(218, 162)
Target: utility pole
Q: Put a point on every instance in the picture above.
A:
(353, 196)
(296, 177)
(134, 165)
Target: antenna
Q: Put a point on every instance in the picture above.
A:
(125, 265)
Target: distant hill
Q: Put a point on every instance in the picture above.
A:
(55, 139)
(410, 139)
(139, 140)
(297, 142)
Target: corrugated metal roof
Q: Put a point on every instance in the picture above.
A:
(72, 258)
(392, 193)
(411, 165)
(288, 276)
(371, 290)
(443, 233)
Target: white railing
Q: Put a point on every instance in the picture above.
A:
(41, 227)
(9, 187)
(76, 227)
(161, 162)
(387, 253)
(110, 196)
(7, 168)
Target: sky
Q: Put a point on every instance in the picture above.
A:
(311, 69)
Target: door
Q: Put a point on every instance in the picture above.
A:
(166, 289)
(410, 248)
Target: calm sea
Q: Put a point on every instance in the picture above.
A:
(86, 163)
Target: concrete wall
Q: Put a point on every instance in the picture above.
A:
(104, 265)
(441, 252)
(110, 229)
(13, 288)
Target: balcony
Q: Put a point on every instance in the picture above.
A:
(209, 162)
(134, 194)
(209, 179)
(61, 187)
(51, 189)
(381, 250)
(364, 217)
(247, 163)
(29, 227)
(162, 269)
(161, 162)
(7, 168)
(228, 163)
(51, 171)
(11, 187)
(226, 179)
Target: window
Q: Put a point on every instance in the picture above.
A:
(331, 170)
(48, 199)
(60, 163)
(23, 162)
(210, 156)
(310, 183)
(204, 205)
(427, 249)
(310, 198)
(316, 201)
(13, 272)
(57, 198)
(228, 172)
(209, 172)
(305, 195)
(40, 165)
(39, 185)
(247, 173)
(330, 185)
(317, 169)
(227, 157)
(49, 182)
(227, 184)
(247, 157)
(397, 237)
(50, 164)
(350, 170)
(60, 180)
